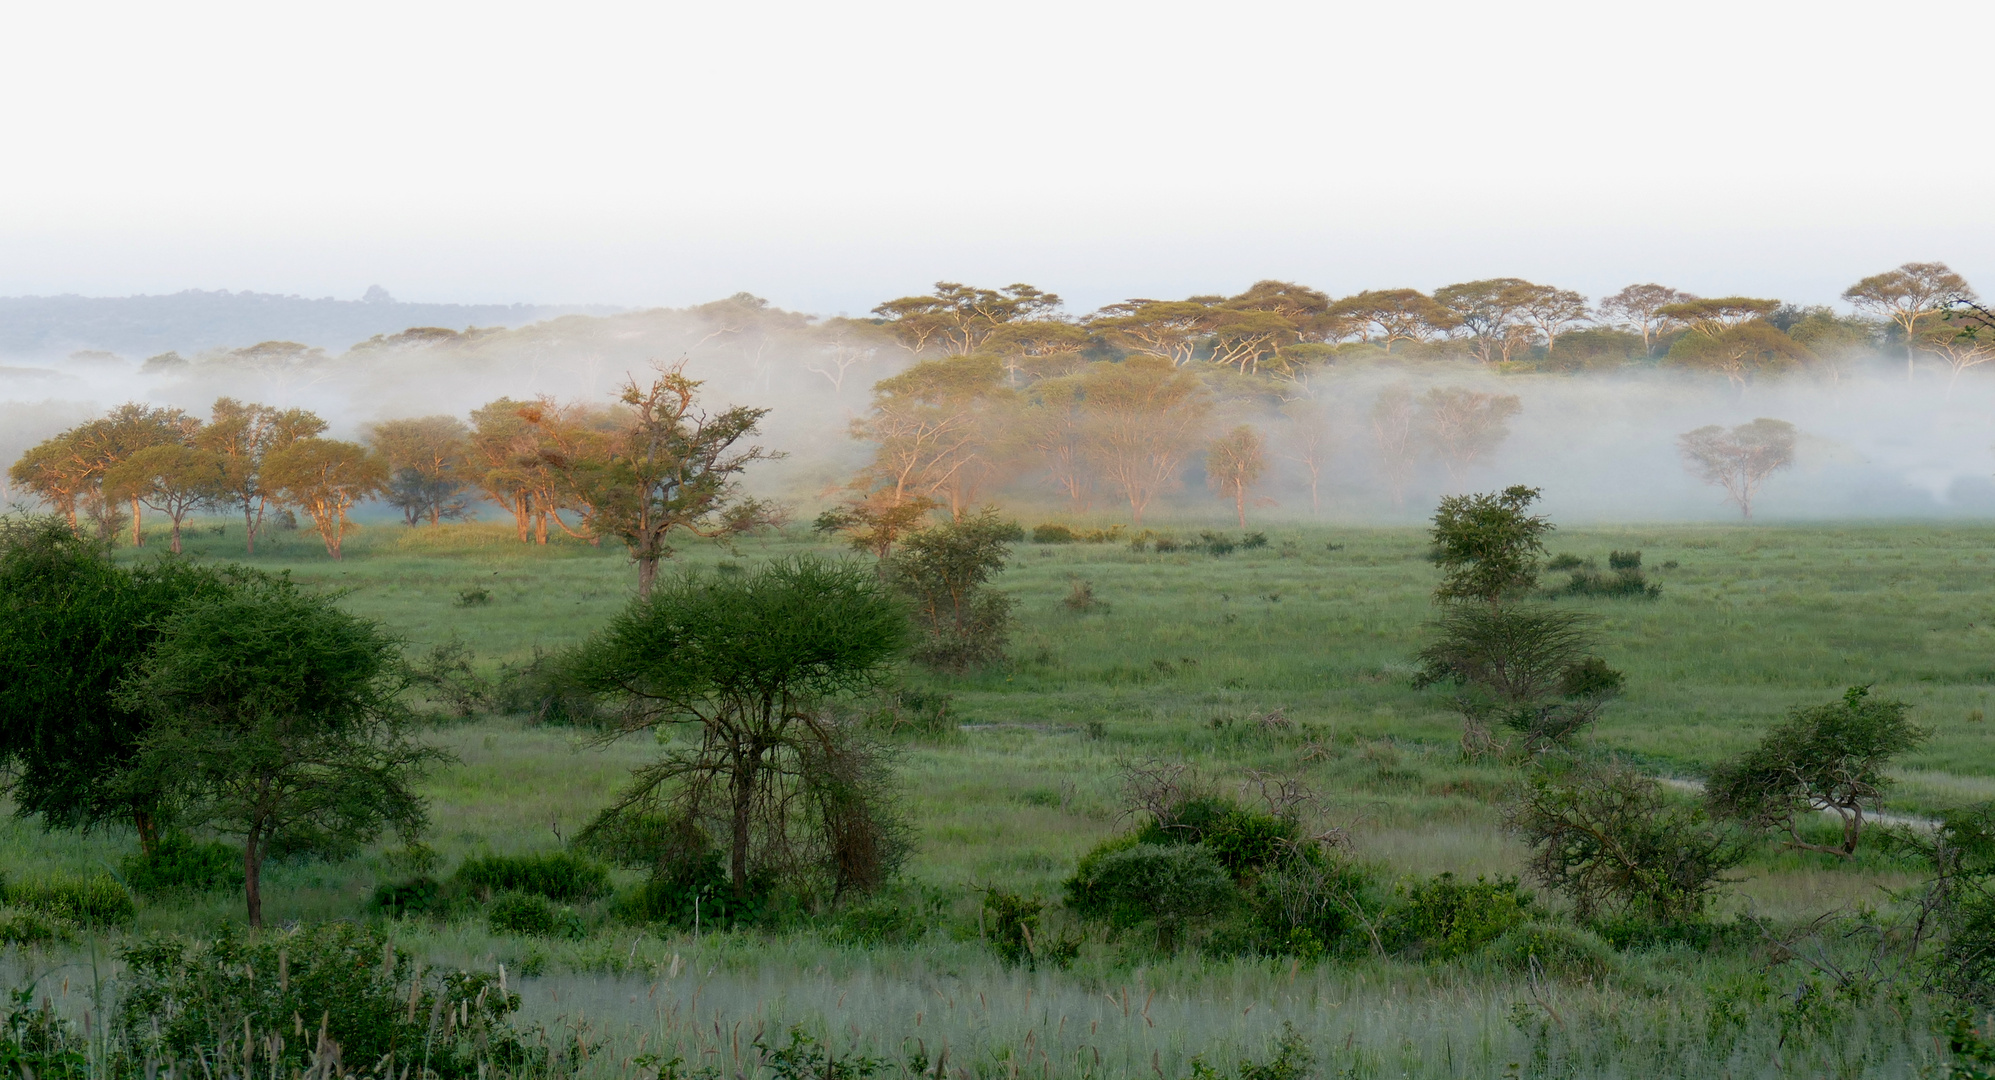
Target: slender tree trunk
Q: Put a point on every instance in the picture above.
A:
(747, 765)
(647, 573)
(176, 535)
(147, 826)
(1240, 502)
(252, 877)
(248, 528)
(138, 539)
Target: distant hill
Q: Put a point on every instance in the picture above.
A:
(135, 327)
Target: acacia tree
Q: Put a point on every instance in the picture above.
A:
(325, 478)
(943, 573)
(1739, 460)
(1466, 424)
(670, 466)
(1491, 312)
(58, 471)
(1553, 311)
(426, 464)
(275, 718)
(960, 318)
(244, 436)
(1392, 315)
(1306, 440)
(1740, 352)
(172, 478)
(1142, 416)
(1234, 464)
(1911, 296)
(73, 626)
(1640, 306)
(1828, 758)
(936, 432)
(748, 662)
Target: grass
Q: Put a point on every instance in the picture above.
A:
(1186, 652)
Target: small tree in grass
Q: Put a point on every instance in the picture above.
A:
(325, 478)
(1234, 464)
(1516, 665)
(945, 573)
(276, 719)
(1614, 842)
(1823, 758)
(748, 662)
(172, 478)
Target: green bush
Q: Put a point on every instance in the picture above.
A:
(1170, 885)
(1312, 907)
(1555, 949)
(1216, 543)
(545, 690)
(694, 891)
(527, 915)
(1244, 841)
(421, 895)
(180, 863)
(1444, 917)
(1254, 541)
(193, 1009)
(556, 875)
(97, 900)
(1053, 534)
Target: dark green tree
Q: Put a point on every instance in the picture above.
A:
(945, 573)
(1488, 546)
(748, 662)
(73, 625)
(275, 718)
(1825, 758)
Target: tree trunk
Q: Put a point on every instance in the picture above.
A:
(138, 539)
(147, 826)
(252, 874)
(248, 528)
(745, 769)
(1240, 503)
(647, 572)
(176, 536)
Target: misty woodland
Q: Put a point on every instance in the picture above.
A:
(1191, 689)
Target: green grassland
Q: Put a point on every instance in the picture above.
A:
(1187, 656)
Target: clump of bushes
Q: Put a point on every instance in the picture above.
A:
(180, 863)
(528, 915)
(420, 895)
(1081, 598)
(546, 691)
(1624, 579)
(214, 1004)
(95, 900)
(554, 875)
(912, 711)
(1052, 533)
(1444, 917)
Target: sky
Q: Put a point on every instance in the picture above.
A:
(828, 156)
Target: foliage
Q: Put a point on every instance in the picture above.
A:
(528, 915)
(1444, 917)
(1525, 668)
(36, 1041)
(1168, 885)
(911, 711)
(1487, 546)
(180, 862)
(669, 467)
(1610, 840)
(276, 718)
(555, 875)
(1292, 1060)
(96, 900)
(419, 895)
(73, 626)
(1234, 465)
(944, 573)
(1823, 758)
(325, 478)
(1624, 579)
(1553, 948)
(751, 661)
(547, 690)
(232, 1005)
(444, 675)
(1010, 923)
(1956, 903)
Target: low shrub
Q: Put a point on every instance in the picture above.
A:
(1244, 841)
(1010, 921)
(179, 863)
(1216, 543)
(693, 891)
(555, 875)
(97, 900)
(1254, 541)
(528, 915)
(545, 691)
(422, 895)
(1053, 534)
(1312, 907)
(1444, 917)
(209, 1006)
(1170, 886)
(899, 916)
(1553, 948)
(1567, 561)
(1292, 1060)
(911, 711)
(21, 926)
(445, 678)
(1081, 598)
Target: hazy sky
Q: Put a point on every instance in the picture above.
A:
(831, 155)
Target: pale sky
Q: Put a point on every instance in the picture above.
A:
(828, 156)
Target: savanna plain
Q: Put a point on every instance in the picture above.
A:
(1290, 661)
